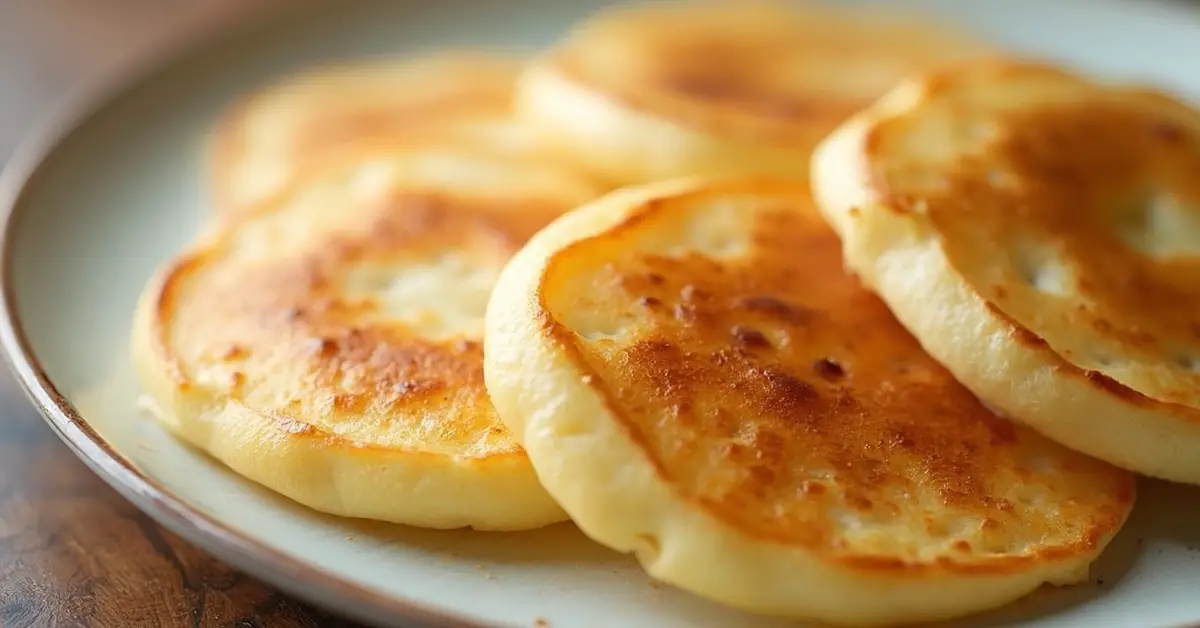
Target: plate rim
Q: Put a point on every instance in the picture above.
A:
(35, 151)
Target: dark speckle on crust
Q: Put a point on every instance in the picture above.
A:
(828, 369)
(324, 347)
(785, 391)
(748, 338)
(773, 307)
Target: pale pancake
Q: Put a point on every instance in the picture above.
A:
(1040, 234)
(274, 136)
(695, 380)
(650, 91)
(328, 345)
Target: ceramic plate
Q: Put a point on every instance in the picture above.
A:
(97, 203)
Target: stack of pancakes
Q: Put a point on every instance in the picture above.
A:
(820, 312)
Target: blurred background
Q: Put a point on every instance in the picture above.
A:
(48, 48)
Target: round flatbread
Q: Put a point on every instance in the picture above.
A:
(1040, 234)
(647, 92)
(697, 381)
(274, 136)
(328, 345)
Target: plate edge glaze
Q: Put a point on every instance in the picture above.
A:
(20, 174)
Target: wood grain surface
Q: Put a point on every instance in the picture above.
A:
(72, 551)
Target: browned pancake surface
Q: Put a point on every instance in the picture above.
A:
(774, 392)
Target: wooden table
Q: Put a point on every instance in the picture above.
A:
(72, 552)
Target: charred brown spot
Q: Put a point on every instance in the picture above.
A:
(828, 369)
(324, 347)
(773, 307)
(762, 475)
(962, 545)
(809, 487)
(655, 279)
(649, 302)
(1111, 385)
(786, 392)
(748, 338)
(859, 502)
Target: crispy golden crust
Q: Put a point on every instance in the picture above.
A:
(721, 390)
(769, 75)
(1072, 211)
(271, 138)
(347, 320)
(350, 359)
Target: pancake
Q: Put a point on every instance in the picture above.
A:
(328, 345)
(273, 136)
(1039, 232)
(650, 91)
(696, 381)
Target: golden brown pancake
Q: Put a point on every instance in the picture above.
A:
(1040, 234)
(273, 137)
(697, 381)
(328, 346)
(656, 90)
